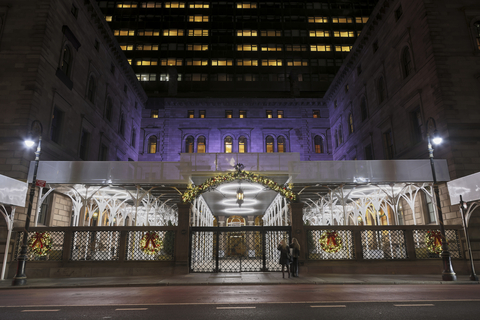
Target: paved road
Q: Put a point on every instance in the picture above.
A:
(257, 302)
(358, 311)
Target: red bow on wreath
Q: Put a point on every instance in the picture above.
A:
(150, 240)
(38, 238)
(332, 239)
(437, 238)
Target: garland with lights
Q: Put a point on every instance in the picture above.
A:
(433, 240)
(330, 242)
(194, 191)
(40, 243)
(150, 243)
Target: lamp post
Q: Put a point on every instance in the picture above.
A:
(473, 276)
(448, 274)
(20, 278)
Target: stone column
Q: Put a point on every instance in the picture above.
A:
(182, 239)
(298, 230)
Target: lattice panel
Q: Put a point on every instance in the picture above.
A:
(95, 245)
(203, 257)
(383, 244)
(55, 253)
(422, 252)
(240, 251)
(315, 238)
(272, 254)
(135, 251)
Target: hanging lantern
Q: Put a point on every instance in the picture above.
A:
(239, 196)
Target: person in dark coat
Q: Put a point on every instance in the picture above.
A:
(284, 253)
(295, 253)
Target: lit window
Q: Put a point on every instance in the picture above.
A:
(342, 20)
(343, 48)
(146, 62)
(281, 144)
(320, 47)
(126, 5)
(126, 47)
(269, 144)
(297, 62)
(196, 62)
(151, 4)
(108, 18)
(189, 144)
(228, 141)
(154, 114)
(316, 113)
(247, 47)
(242, 144)
(271, 33)
(247, 62)
(269, 114)
(172, 32)
(171, 62)
(222, 77)
(272, 62)
(280, 114)
(124, 33)
(174, 5)
(318, 141)
(318, 19)
(197, 47)
(146, 47)
(196, 77)
(222, 62)
(247, 33)
(296, 47)
(228, 114)
(201, 145)
(149, 33)
(129, 61)
(243, 114)
(319, 33)
(361, 19)
(147, 77)
(344, 34)
(272, 47)
(152, 144)
(199, 5)
(202, 114)
(197, 33)
(197, 18)
(246, 5)
(191, 114)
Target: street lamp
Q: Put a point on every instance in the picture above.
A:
(20, 278)
(463, 206)
(448, 274)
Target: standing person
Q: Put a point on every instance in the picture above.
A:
(284, 260)
(295, 252)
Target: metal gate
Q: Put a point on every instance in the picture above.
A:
(236, 249)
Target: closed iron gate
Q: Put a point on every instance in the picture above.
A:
(236, 249)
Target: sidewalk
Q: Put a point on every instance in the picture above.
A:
(253, 278)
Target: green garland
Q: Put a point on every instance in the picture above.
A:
(193, 191)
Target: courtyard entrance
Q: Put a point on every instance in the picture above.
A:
(236, 249)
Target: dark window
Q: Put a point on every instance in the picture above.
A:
(92, 87)
(242, 144)
(228, 114)
(228, 144)
(416, 118)
(398, 13)
(346, 88)
(375, 46)
(340, 135)
(335, 104)
(189, 144)
(121, 128)
(44, 207)
(125, 88)
(84, 141)
(133, 139)
(57, 119)
(381, 90)
(336, 139)
(66, 61)
(407, 66)
(316, 113)
(428, 209)
(269, 144)
(269, 114)
(202, 114)
(476, 27)
(103, 156)
(109, 109)
(74, 11)
(96, 45)
(154, 114)
(369, 152)
(152, 144)
(388, 144)
(359, 69)
(243, 114)
(281, 147)
(363, 108)
(318, 141)
(112, 68)
(201, 145)
(191, 114)
(350, 123)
